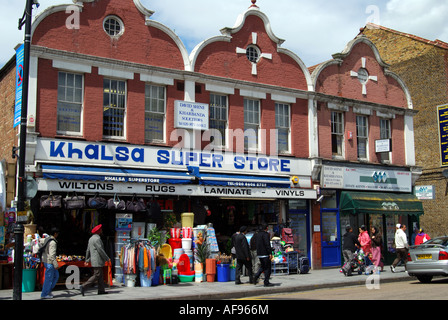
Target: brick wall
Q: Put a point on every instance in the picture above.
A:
(8, 135)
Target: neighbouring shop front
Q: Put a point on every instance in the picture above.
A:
(374, 197)
(147, 190)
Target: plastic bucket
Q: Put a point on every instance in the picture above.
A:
(144, 280)
(175, 233)
(29, 280)
(130, 280)
(175, 243)
(187, 232)
(211, 277)
(186, 243)
(156, 277)
(223, 272)
(210, 266)
(187, 219)
(232, 274)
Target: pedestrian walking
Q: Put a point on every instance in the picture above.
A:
(243, 257)
(264, 252)
(377, 244)
(253, 251)
(50, 262)
(421, 237)
(350, 242)
(401, 246)
(364, 240)
(97, 257)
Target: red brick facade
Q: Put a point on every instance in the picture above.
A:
(148, 52)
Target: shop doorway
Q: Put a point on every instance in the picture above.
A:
(331, 246)
(299, 222)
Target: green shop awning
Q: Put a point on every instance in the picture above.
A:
(380, 203)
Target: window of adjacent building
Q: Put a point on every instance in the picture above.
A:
(283, 126)
(362, 135)
(114, 108)
(218, 119)
(385, 133)
(337, 132)
(113, 26)
(155, 102)
(70, 98)
(251, 123)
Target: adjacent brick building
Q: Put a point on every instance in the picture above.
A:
(423, 66)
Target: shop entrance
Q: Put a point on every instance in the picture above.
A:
(299, 218)
(331, 248)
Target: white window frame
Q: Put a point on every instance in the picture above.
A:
(147, 111)
(121, 137)
(219, 96)
(338, 133)
(283, 122)
(362, 136)
(252, 120)
(120, 22)
(81, 105)
(385, 133)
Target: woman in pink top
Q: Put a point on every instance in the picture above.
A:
(364, 240)
(421, 237)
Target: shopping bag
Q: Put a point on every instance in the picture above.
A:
(51, 201)
(116, 204)
(97, 202)
(74, 201)
(136, 205)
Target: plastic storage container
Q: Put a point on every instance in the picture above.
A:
(223, 272)
(186, 243)
(29, 280)
(187, 219)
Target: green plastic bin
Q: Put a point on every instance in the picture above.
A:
(29, 280)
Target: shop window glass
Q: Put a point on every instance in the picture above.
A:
(282, 124)
(385, 133)
(70, 98)
(155, 101)
(337, 132)
(251, 124)
(114, 108)
(362, 135)
(218, 119)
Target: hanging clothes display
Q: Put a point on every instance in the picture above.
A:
(138, 256)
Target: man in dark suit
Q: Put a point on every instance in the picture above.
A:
(243, 257)
(264, 252)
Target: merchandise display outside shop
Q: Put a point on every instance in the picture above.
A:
(151, 241)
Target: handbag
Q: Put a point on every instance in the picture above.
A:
(135, 205)
(97, 202)
(116, 204)
(51, 201)
(74, 201)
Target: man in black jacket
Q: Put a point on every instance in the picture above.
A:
(350, 242)
(243, 257)
(264, 252)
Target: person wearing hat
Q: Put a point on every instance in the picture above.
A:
(401, 246)
(97, 257)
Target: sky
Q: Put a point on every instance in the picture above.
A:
(314, 30)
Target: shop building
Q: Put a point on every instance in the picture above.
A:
(422, 64)
(238, 132)
(366, 147)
